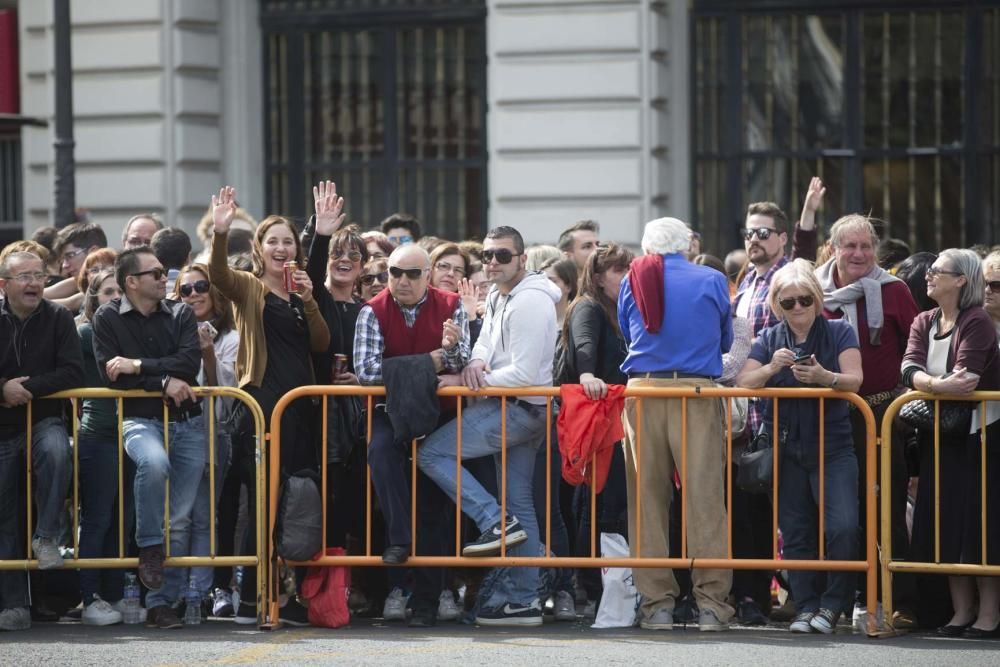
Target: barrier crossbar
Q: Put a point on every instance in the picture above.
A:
(888, 564)
(122, 562)
(867, 564)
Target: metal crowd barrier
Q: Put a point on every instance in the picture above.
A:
(213, 559)
(889, 566)
(868, 564)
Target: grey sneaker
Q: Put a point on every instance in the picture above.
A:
(709, 622)
(100, 612)
(447, 607)
(47, 552)
(661, 619)
(590, 609)
(802, 623)
(565, 606)
(825, 621)
(395, 605)
(18, 618)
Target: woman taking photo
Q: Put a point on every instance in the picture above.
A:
(277, 324)
(806, 350)
(953, 350)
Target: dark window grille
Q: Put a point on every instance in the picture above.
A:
(11, 205)
(896, 105)
(386, 99)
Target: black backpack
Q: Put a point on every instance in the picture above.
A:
(298, 531)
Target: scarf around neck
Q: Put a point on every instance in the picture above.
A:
(845, 298)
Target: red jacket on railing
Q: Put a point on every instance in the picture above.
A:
(587, 428)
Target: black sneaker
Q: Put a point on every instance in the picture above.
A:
(246, 614)
(748, 613)
(488, 543)
(163, 617)
(293, 613)
(686, 611)
(511, 614)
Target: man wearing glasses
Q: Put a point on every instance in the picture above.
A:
(515, 349)
(143, 341)
(39, 355)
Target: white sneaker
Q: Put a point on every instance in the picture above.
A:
(100, 612)
(565, 606)
(120, 608)
(18, 618)
(395, 605)
(447, 607)
(47, 552)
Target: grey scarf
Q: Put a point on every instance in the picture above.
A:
(845, 298)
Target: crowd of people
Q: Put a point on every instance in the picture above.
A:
(268, 307)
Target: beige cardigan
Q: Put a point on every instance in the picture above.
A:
(247, 293)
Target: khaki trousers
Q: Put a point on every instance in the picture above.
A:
(707, 535)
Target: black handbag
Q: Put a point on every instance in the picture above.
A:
(755, 465)
(955, 417)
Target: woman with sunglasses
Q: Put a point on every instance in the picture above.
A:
(279, 329)
(219, 342)
(374, 278)
(806, 350)
(97, 452)
(953, 350)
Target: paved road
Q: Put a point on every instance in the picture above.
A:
(373, 642)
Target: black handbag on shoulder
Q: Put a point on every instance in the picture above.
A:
(755, 465)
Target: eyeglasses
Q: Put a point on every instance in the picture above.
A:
(993, 285)
(763, 233)
(401, 240)
(450, 268)
(158, 273)
(28, 278)
(199, 286)
(934, 273)
(72, 254)
(412, 274)
(382, 277)
(503, 256)
(805, 301)
(352, 255)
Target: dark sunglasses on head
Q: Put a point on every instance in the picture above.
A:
(157, 273)
(382, 277)
(503, 256)
(993, 286)
(199, 286)
(763, 233)
(805, 301)
(412, 274)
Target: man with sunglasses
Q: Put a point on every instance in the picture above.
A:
(39, 355)
(408, 319)
(515, 349)
(143, 341)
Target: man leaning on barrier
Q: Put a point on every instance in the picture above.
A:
(515, 349)
(142, 341)
(676, 321)
(39, 355)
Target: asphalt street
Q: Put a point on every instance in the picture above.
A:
(375, 642)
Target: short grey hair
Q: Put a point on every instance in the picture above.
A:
(968, 263)
(853, 223)
(992, 261)
(666, 236)
(19, 256)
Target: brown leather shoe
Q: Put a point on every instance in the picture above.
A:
(151, 567)
(163, 618)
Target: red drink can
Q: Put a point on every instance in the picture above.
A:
(339, 364)
(291, 285)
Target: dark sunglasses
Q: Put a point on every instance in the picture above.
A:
(352, 255)
(934, 273)
(993, 286)
(382, 277)
(503, 256)
(157, 273)
(412, 274)
(805, 301)
(199, 286)
(763, 233)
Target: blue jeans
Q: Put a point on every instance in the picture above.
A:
(798, 502)
(560, 537)
(185, 466)
(52, 463)
(201, 519)
(97, 457)
(481, 437)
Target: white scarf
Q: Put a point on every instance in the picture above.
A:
(845, 298)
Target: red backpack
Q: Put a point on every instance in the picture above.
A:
(327, 588)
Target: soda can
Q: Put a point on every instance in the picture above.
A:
(339, 364)
(291, 285)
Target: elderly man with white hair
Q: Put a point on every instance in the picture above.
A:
(675, 317)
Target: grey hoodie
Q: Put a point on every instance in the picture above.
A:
(518, 339)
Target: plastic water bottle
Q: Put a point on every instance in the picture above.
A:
(192, 611)
(132, 613)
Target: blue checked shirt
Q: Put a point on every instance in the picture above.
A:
(369, 343)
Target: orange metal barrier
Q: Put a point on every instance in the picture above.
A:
(869, 564)
(888, 565)
(213, 560)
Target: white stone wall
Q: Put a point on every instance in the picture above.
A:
(587, 115)
(166, 107)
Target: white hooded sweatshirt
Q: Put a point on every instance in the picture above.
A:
(518, 338)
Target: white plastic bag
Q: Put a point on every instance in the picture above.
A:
(620, 600)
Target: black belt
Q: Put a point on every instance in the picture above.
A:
(525, 404)
(667, 375)
(175, 416)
